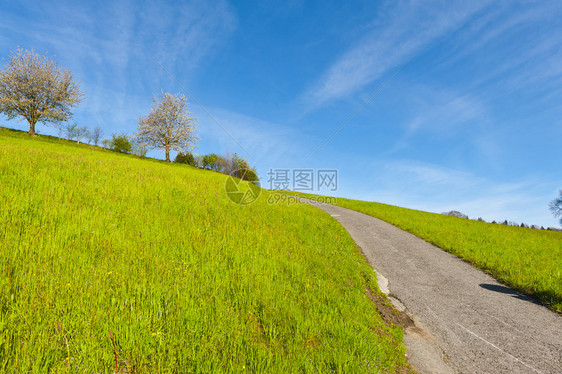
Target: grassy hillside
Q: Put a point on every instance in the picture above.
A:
(110, 263)
(528, 260)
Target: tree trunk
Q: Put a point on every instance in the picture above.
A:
(167, 154)
(32, 129)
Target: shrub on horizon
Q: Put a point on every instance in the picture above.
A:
(185, 158)
(121, 143)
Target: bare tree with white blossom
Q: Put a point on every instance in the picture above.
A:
(169, 125)
(35, 88)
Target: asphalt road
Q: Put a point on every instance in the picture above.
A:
(476, 324)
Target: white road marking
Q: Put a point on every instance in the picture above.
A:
(499, 349)
(505, 323)
(335, 215)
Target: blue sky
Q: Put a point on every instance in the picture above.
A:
(444, 104)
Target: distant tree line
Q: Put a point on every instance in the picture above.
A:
(455, 213)
(228, 164)
(80, 134)
(131, 144)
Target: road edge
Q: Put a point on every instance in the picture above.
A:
(422, 351)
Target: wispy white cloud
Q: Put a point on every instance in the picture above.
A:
(432, 175)
(265, 144)
(434, 188)
(533, 60)
(441, 115)
(444, 112)
(107, 46)
(408, 27)
(186, 32)
(119, 35)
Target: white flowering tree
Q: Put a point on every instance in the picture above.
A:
(169, 126)
(35, 88)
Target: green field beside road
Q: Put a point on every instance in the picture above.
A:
(111, 263)
(526, 259)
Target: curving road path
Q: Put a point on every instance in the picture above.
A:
(473, 323)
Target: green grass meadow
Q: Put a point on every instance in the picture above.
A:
(111, 263)
(525, 259)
